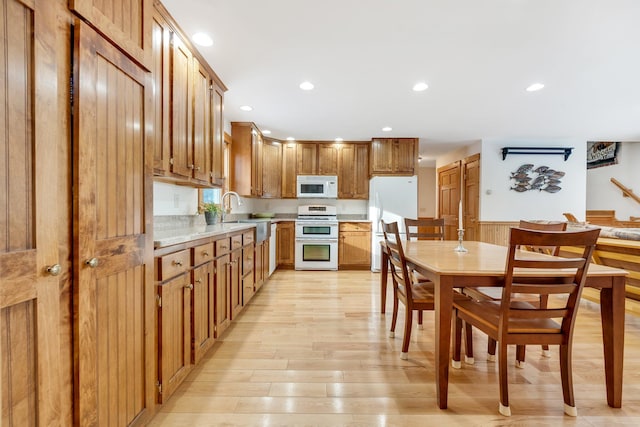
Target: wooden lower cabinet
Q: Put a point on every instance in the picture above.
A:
(354, 245)
(174, 334)
(235, 278)
(222, 266)
(203, 312)
(285, 239)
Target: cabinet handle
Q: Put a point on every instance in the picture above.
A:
(93, 262)
(191, 167)
(189, 286)
(54, 269)
(177, 262)
(198, 280)
(197, 168)
(205, 253)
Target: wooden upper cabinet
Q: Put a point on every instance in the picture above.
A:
(202, 143)
(353, 167)
(181, 118)
(394, 156)
(245, 175)
(124, 22)
(289, 176)
(160, 76)
(217, 125)
(271, 167)
(307, 153)
(328, 158)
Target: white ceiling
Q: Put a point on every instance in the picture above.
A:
(478, 56)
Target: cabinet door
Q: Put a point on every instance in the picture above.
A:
(271, 167)
(174, 334)
(159, 132)
(202, 144)
(361, 172)
(223, 300)
(217, 153)
(354, 249)
(30, 299)
(181, 112)
(256, 163)
(346, 167)
(123, 21)
(404, 155)
(113, 258)
(328, 159)
(307, 158)
(203, 319)
(285, 239)
(289, 162)
(381, 156)
(235, 283)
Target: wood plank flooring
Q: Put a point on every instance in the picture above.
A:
(312, 349)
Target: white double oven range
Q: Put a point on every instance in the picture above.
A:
(316, 238)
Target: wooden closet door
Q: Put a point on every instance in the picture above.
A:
(449, 198)
(471, 196)
(113, 258)
(30, 384)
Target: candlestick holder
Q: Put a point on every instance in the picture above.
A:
(460, 248)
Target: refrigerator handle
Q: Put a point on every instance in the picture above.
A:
(379, 208)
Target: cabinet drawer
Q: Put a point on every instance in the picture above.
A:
(173, 264)
(247, 261)
(355, 226)
(223, 246)
(247, 237)
(202, 253)
(236, 241)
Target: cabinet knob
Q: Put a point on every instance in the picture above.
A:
(93, 262)
(177, 262)
(191, 167)
(198, 280)
(54, 269)
(189, 286)
(197, 168)
(205, 253)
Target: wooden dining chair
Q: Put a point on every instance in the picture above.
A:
(494, 294)
(424, 228)
(510, 321)
(416, 296)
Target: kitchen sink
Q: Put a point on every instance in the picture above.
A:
(263, 227)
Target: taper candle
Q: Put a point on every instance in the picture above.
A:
(460, 216)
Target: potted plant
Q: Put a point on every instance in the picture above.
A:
(211, 212)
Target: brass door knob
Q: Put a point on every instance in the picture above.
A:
(54, 269)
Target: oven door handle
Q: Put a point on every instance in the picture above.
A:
(314, 240)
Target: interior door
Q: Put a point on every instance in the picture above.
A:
(471, 196)
(30, 386)
(449, 198)
(113, 247)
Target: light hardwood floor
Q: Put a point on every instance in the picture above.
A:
(312, 349)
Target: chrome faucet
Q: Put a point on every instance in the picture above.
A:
(228, 210)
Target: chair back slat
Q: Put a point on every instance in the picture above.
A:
(399, 271)
(537, 274)
(540, 226)
(424, 228)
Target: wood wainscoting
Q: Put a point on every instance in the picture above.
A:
(496, 232)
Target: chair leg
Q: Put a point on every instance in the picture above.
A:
(544, 300)
(468, 342)
(491, 350)
(394, 317)
(520, 351)
(457, 341)
(420, 320)
(503, 378)
(567, 381)
(407, 334)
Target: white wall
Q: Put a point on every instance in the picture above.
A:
(427, 187)
(603, 194)
(499, 203)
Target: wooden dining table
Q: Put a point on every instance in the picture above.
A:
(484, 265)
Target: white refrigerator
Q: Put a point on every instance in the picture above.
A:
(391, 198)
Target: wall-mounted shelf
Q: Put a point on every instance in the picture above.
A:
(565, 151)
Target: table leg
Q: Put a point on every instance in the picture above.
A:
(443, 307)
(612, 311)
(384, 270)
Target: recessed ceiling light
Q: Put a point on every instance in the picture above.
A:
(290, 138)
(306, 86)
(338, 140)
(420, 86)
(534, 87)
(246, 108)
(202, 39)
(266, 132)
(387, 129)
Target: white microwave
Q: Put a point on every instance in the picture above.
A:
(317, 186)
